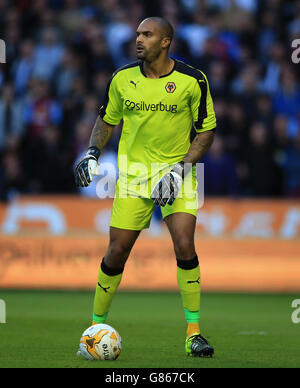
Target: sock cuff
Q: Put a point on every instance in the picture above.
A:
(100, 318)
(188, 264)
(110, 271)
(192, 316)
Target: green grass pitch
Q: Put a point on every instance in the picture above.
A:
(43, 329)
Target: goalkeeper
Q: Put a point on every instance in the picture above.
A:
(159, 99)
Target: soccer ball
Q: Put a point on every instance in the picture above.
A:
(100, 342)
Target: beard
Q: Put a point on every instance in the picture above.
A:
(142, 55)
(149, 55)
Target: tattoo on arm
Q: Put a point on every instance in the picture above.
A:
(199, 146)
(101, 134)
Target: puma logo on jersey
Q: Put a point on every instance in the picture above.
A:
(194, 281)
(103, 288)
(133, 83)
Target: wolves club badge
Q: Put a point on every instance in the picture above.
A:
(170, 87)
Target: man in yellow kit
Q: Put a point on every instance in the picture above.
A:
(159, 100)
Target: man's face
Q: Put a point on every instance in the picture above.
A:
(149, 41)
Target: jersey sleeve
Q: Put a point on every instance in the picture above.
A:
(112, 110)
(202, 107)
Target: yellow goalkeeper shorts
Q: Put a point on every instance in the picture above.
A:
(134, 213)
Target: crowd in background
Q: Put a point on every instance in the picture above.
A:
(60, 55)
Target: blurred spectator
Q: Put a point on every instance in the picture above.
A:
(118, 32)
(287, 100)
(66, 74)
(90, 109)
(11, 116)
(32, 17)
(40, 109)
(237, 15)
(280, 143)
(220, 176)
(56, 165)
(235, 129)
(100, 58)
(291, 168)
(12, 39)
(294, 25)
(280, 133)
(273, 67)
(245, 5)
(264, 112)
(12, 181)
(3, 6)
(195, 33)
(268, 34)
(259, 160)
(246, 86)
(48, 55)
(217, 78)
(100, 81)
(71, 18)
(81, 138)
(23, 67)
(73, 105)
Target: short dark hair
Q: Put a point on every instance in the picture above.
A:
(165, 26)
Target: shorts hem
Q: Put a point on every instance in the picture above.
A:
(130, 227)
(179, 211)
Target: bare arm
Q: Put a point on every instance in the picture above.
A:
(200, 145)
(101, 134)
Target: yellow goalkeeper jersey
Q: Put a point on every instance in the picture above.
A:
(158, 115)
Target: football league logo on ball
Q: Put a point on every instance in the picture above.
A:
(170, 87)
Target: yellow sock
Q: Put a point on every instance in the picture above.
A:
(188, 278)
(108, 282)
(189, 285)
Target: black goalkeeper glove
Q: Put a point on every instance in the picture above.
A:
(166, 190)
(87, 167)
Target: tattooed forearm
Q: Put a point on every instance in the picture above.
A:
(199, 146)
(101, 134)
